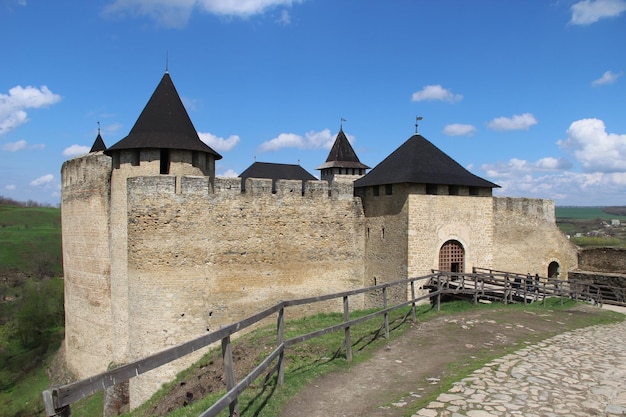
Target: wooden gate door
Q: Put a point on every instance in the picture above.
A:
(452, 257)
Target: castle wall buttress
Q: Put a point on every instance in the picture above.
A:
(198, 260)
(86, 263)
(527, 239)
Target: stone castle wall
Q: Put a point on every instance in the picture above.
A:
(200, 259)
(86, 263)
(527, 239)
(603, 260)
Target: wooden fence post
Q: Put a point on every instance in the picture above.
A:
(346, 317)
(413, 314)
(280, 337)
(475, 286)
(507, 289)
(386, 313)
(229, 373)
(438, 292)
(50, 407)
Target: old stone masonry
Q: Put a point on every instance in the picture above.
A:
(579, 373)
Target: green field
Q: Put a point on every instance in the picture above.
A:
(30, 239)
(586, 222)
(586, 213)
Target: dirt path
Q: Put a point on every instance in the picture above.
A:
(414, 364)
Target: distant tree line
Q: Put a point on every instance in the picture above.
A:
(616, 210)
(6, 201)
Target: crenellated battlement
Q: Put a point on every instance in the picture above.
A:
(529, 207)
(85, 170)
(228, 187)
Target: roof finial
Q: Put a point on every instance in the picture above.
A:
(417, 119)
(167, 70)
(98, 128)
(341, 123)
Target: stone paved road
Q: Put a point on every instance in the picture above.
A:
(579, 373)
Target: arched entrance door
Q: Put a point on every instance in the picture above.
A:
(452, 257)
(553, 269)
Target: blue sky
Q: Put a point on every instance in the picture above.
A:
(529, 94)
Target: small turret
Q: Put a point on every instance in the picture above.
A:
(98, 144)
(342, 160)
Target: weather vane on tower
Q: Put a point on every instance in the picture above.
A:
(417, 119)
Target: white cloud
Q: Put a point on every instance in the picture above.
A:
(242, 8)
(10, 187)
(436, 92)
(572, 188)
(217, 143)
(516, 122)
(601, 154)
(76, 150)
(285, 18)
(597, 150)
(311, 140)
(43, 180)
(228, 173)
(516, 168)
(14, 104)
(587, 12)
(176, 13)
(458, 129)
(14, 146)
(608, 77)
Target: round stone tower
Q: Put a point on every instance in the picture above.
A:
(163, 141)
(85, 209)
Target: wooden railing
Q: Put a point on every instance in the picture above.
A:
(481, 284)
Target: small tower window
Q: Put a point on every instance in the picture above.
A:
(376, 191)
(165, 161)
(388, 189)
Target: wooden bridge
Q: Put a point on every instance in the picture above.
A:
(482, 285)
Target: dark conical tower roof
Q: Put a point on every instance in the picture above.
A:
(342, 155)
(164, 123)
(420, 162)
(98, 145)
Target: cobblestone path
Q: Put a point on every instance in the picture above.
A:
(579, 373)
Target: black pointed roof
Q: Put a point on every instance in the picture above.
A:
(164, 123)
(420, 162)
(342, 155)
(276, 172)
(98, 144)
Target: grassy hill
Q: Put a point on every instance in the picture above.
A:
(30, 240)
(31, 303)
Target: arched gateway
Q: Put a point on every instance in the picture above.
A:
(452, 257)
(554, 269)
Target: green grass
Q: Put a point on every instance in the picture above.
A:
(317, 357)
(29, 238)
(24, 398)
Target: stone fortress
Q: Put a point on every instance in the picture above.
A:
(157, 250)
